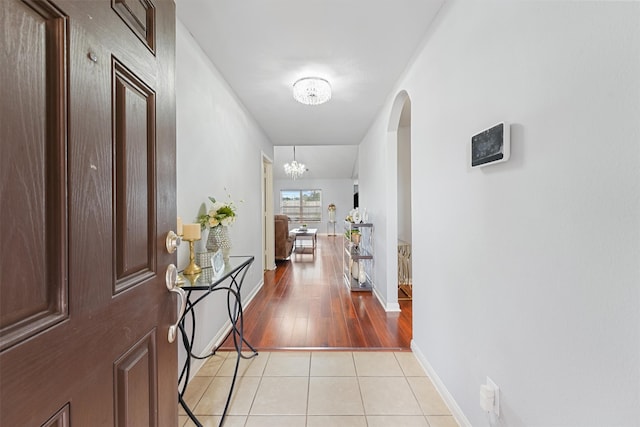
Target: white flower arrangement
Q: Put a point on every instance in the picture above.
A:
(221, 213)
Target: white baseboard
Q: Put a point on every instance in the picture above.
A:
(388, 307)
(439, 385)
(222, 333)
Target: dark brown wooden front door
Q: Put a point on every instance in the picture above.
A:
(87, 194)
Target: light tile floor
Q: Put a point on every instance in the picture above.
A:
(317, 389)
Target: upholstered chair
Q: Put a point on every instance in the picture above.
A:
(283, 239)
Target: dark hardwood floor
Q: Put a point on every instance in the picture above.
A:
(304, 304)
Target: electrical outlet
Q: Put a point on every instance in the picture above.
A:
(496, 396)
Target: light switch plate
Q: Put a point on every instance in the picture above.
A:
(496, 396)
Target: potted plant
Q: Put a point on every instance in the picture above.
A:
(355, 237)
(217, 219)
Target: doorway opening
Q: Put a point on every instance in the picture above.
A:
(268, 227)
(405, 283)
(399, 231)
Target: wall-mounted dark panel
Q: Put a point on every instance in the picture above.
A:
(33, 171)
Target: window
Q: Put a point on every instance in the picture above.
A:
(301, 205)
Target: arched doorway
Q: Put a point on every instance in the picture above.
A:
(404, 203)
(399, 220)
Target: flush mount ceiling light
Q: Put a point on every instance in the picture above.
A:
(294, 169)
(312, 91)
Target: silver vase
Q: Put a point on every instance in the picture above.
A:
(219, 239)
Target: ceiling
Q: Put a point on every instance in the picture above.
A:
(322, 161)
(262, 46)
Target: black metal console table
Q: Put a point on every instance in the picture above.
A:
(197, 288)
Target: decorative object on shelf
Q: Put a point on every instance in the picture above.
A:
(179, 224)
(204, 259)
(357, 256)
(312, 91)
(358, 216)
(362, 275)
(219, 240)
(355, 237)
(354, 269)
(294, 169)
(217, 263)
(191, 233)
(217, 219)
(192, 278)
(332, 212)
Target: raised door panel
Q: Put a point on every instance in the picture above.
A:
(139, 15)
(33, 295)
(134, 148)
(60, 419)
(135, 376)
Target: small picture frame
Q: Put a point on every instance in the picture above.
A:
(217, 263)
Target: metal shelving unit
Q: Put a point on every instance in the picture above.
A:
(357, 259)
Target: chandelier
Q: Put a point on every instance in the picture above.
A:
(294, 169)
(312, 91)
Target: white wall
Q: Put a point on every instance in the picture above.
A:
(528, 271)
(378, 187)
(404, 183)
(219, 146)
(336, 191)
